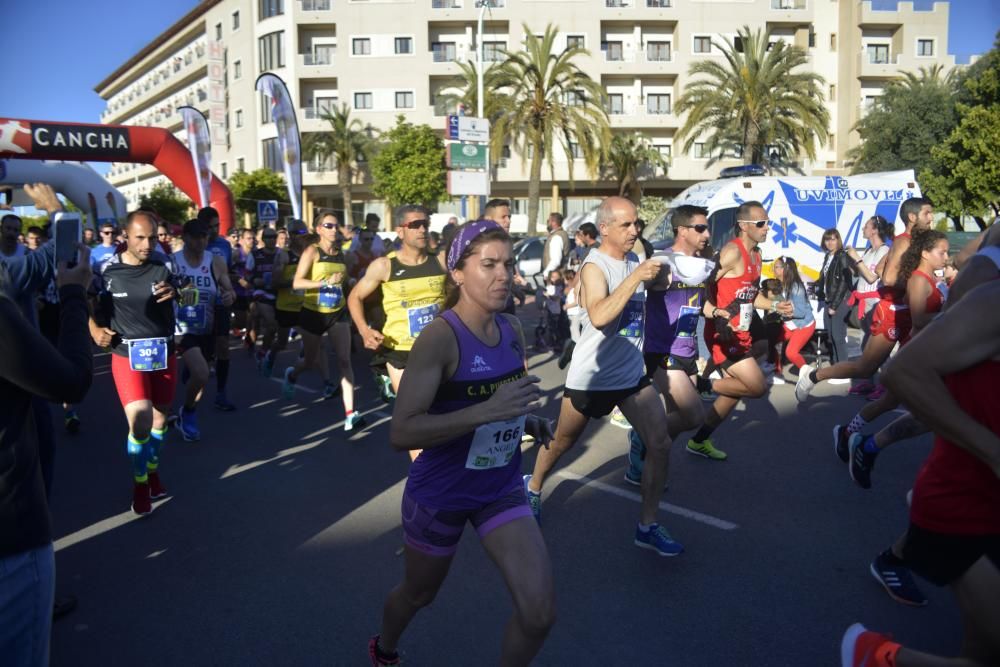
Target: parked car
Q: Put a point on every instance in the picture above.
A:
(528, 256)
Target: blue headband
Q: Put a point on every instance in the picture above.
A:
(467, 234)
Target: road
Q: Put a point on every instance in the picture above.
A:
(282, 537)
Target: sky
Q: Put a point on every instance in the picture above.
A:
(58, 69)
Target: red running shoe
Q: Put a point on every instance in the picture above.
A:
(156, 488)
(140, 499)
(862, 389)
(378, 657)
(863, 648)
(877, 393)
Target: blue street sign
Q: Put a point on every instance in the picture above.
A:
(267, 211)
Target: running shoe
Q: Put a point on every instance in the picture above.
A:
(223, 403)
(706, 449)
(385, 388)
(353, 421)
(156, 488)
(288, 386)
(140, 499)
(618, 419)
(658, 539)
(804, 384)
(862, 461)
(861, 647)
(840, 442)
(267, 367)
(896, 579)
(777, 379)
(876, 393)
(636, 452)
(330, 390)
(188, 423)
(534, 500)
(378, 657)
(72, 422)
(862, 389)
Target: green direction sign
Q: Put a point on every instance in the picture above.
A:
(467, 156)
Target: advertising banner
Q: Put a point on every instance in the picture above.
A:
(283, 114)
(201, 150)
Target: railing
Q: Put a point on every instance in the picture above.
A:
(446, 4)
(320, 57)
(448, 55)
(658, 3)
(644, 55)
(788, 4)
(193, 55)
(618, 4)
(632, 109)
(878, 59)
(316, 5)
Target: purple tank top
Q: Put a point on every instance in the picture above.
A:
(448, 477)
(672, 318)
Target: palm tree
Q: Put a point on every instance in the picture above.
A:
(627, 155)
(753, 100)
(552, 102)
(928, 76)
(346, 145)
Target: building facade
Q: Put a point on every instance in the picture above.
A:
(384, 58)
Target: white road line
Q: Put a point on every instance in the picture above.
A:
(284, 453)
(297, 387)
(289, 413)
(102, 526)
(263, 403)
(706, 519)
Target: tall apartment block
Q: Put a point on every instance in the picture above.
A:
(384, 58)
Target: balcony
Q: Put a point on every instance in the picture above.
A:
(316, 5)
(795, 5)
(641, 115)
(658, 4)
(176, 70)
(878, 65)
(619, 4)
(319, 62)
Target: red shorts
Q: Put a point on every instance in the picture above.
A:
(155, 386)
(725, 355)
(891, 320)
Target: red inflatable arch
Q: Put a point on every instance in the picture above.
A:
(46, 140)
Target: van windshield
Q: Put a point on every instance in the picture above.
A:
(661, 234)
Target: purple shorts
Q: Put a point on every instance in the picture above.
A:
(437, 532)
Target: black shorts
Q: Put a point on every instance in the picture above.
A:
(203, 342)
(242, 304)
(941, 558)
(223, 320)
(600, 403)
(670, 362)
(318, 323)
(397, 358)
(287, 318)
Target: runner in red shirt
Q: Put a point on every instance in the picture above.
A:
(947, 378)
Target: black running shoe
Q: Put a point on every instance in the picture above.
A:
(840, 437)
(897, 580)
(862, 462)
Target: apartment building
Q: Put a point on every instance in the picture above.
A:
(389, 57)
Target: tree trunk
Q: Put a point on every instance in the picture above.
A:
(534, 184)
(980, 221)
(344, 176)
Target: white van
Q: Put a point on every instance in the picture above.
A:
(801, 208)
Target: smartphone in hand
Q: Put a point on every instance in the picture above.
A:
(68, 234)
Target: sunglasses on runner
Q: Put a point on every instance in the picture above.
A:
(757, 223)
(417, 224)
(698, 229)
(328, 225)
(106, 232)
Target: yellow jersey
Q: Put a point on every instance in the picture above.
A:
(329, 299)
(411, 298)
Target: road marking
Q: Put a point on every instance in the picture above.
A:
(102, 526)
(340, 424)
(297, 387)
(706, 519)
(289, 413)
(284, 453)
(263, 403)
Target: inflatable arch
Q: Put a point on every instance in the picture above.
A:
(46, 140)
(78, 182)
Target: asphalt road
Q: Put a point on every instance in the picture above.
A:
(282, 537)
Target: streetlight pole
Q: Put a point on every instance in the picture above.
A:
(480, 56)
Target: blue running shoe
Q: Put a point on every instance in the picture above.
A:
(353, 421)
(534, 500)
(330, 390)
(189, 426)
(658, 539)
(288, 386)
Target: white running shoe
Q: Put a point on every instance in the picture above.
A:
(804, 385)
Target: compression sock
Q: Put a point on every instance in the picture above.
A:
(155, 442)
(138, 450)
(813, 377)
(221, 374)
(703, 434)
(857, 424)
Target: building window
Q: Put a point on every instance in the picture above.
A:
(574, 150)
(702, 44)
(658, 103)
(658, 52)
(265, 110)
(699, 150)
(404, 45)
(218, 32)
(240, 165)
(443, 52)
(362, 100)
(268, 8)
(925, 48)
(664, 152)
(812, 38)
(574, 98)
(238, 118)
(272, 155)
(833, 41)
(576, 42)
(833, 92)
(831, 142)
(612, 51)
(237, 69)
(236, 21)
(404, 100)
(616, 103)
(361, 46)
(272, 51)
(493, 51)
(224, 170)
(878, 54)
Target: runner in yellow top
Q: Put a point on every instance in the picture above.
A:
(288, 305)
(321, 273)
(412, 283)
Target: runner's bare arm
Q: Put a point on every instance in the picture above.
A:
(917, 291)
(603, 308)
(377, 273)
(890, 274)
(225, 286)
(967, 334)
(302, 270)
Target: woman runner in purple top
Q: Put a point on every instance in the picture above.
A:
(464, 401)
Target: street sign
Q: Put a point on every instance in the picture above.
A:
(468, 183)
(267, 211)
(467, 128)
(466, 156)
